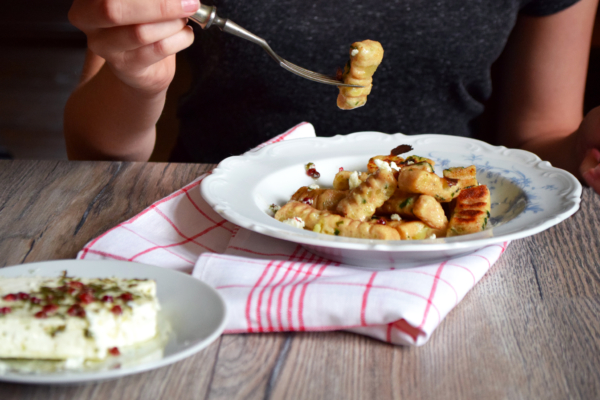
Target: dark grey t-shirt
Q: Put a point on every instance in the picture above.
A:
(434, 78)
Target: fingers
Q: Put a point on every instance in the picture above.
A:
(592, 178)
(89, 15)
(106, 42)
(590, 161)
(590, 169)
(147, 55)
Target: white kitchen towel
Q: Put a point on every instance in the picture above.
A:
(271, 285)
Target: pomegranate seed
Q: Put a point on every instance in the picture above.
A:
(381, 221)
(114, 351)
(307, 200)
(35, 300)
(10, 297)
(41, 314)
(4, 310)
(313, 173)
(126, 296)
(341, 169)
(76, 311)
(71, 290)
(107, 299)
(23, 296)
(49, 308)
(85, 298)
(117, 310)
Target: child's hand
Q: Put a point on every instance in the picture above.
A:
(137, 38)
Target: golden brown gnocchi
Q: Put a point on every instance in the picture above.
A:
(365, 57)
(360, 203)
(321, 199)
(324, 222)
(471, 211)
(397, 199)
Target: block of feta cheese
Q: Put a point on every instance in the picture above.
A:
(70, 318)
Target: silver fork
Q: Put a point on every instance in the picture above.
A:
(206, 16)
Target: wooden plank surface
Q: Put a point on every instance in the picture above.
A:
(528, 330)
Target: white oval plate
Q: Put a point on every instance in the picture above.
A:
(528, 195)
(195, 311)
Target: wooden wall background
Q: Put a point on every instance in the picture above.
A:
(41, 58)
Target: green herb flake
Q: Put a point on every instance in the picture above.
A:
(57, 329)
(406, 202)
(336, 232)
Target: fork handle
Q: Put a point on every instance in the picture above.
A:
(206, 16)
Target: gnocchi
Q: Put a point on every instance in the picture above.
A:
(365, 57)
(395, 199)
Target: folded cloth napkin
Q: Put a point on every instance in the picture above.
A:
(271, 285)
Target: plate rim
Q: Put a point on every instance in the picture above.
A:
(86, 377)
(474, 241)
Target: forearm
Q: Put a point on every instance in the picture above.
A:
(539, 85)
(107, 120)
(559, 148)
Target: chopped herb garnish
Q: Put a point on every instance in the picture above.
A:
(405, 203)
(57, 329)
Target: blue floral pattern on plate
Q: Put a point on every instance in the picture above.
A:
(498, 178)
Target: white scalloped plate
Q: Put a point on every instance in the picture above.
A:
(528, 195)
(196, 313)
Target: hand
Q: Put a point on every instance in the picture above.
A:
(137, 38)
(588, 143)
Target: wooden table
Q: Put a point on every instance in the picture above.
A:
(529, 330)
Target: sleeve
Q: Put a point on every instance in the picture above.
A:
(540, 8)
